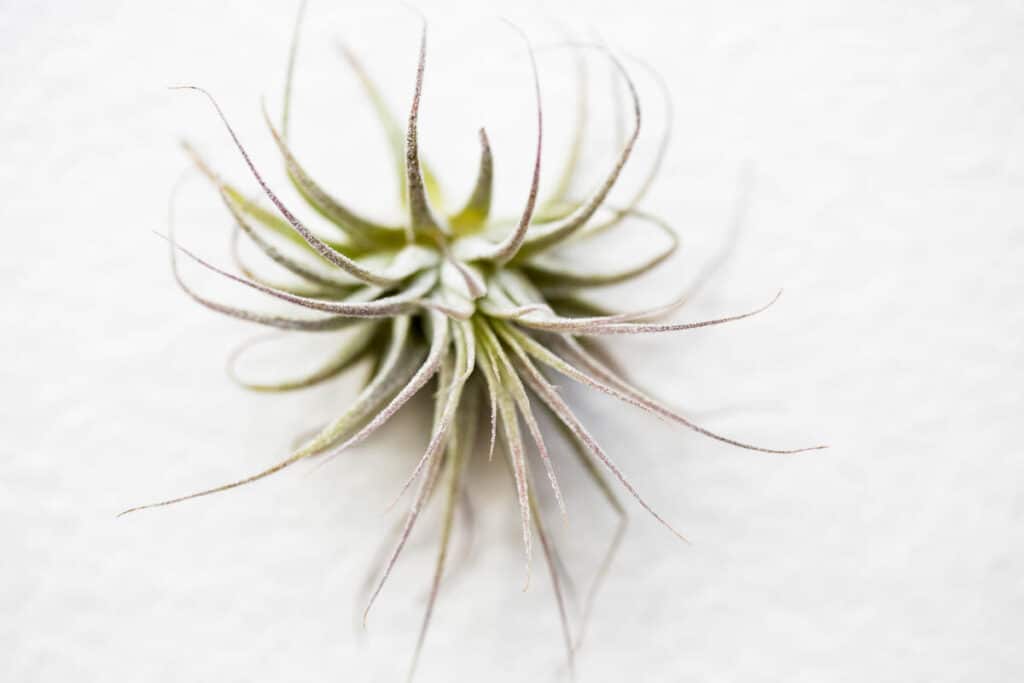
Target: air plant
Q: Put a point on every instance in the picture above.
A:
(482, 310)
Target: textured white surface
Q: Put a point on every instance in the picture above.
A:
(887, 140)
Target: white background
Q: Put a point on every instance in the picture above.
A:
(886, 139)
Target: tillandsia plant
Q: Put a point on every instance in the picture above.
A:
(483, 311)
